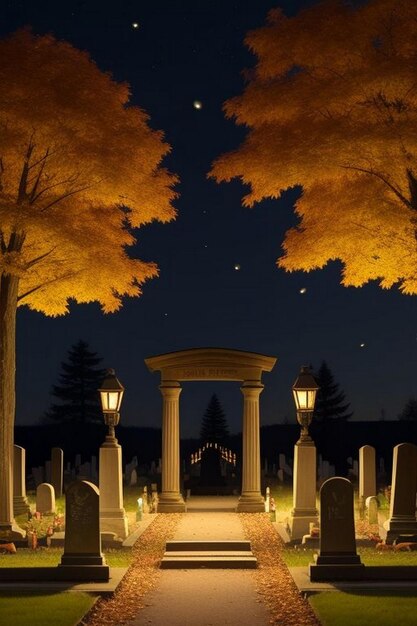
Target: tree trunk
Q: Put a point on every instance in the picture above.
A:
(8, 305)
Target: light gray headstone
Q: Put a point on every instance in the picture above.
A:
(402, 518)
(133, 478)
(82, 525)
(45, 498)
(20, 501)
(57, 470)
(371, 504)
(367, 472)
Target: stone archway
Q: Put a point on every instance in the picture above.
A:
(199, 364)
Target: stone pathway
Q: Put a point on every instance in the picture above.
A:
(203, 597)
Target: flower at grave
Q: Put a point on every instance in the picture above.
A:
(58, 523)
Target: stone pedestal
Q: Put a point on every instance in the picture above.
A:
(304, 490)
(251, 500)
(20, 501)
(112, 514)
(170, 500)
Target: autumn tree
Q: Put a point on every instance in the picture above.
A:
(331, 106)
(331, 400)
(80, 169)
(77, 389)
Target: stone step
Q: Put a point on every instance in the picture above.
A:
(208, 560)
(207, 545)
(214, 554)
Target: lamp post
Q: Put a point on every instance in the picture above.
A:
(113, 517)
(304, 512)
(111, 395)
(305, 390)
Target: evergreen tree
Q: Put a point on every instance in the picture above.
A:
(330, 402)
(214, 427)
(409, 411)
(78, 386)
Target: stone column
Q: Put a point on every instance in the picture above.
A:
(402, 519)
(367, 473)
(57, 470)
(20, 501)
(113, 517)
(251, 500)
(171, 500)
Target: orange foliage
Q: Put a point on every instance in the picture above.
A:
(332, 106)
(79, 169)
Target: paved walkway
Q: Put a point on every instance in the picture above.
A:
(205, 597)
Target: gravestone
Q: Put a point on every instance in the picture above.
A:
(371, 504)
(337, 558)
(82, 558)
(57, 470)
(47, 471)
(133, 478)
(38, 475)
(402, 520)
(20, 501)
(45, 499)
(367, 473)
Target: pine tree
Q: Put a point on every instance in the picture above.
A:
(409, 411)
(78, 386)
(214, 427)
(330, 402)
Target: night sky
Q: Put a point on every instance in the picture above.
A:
(180, 52)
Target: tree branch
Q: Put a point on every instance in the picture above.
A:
(384, 180)
(66, 195)
(48, 282)
(39, 258)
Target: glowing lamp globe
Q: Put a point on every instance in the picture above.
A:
(111, 393)
(305, 390)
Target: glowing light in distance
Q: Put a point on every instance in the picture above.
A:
(237, 267)
(362, 345)
(197, 104)
(135, 25)
(303, 290)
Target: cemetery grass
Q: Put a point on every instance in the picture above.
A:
(44, 609)
(346, 608)
(369, 556)
(51, 557)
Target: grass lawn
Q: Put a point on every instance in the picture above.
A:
(336, 608)
(50, 557)
(369, 556)
(44, 609)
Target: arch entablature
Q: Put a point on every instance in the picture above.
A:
(210, 364)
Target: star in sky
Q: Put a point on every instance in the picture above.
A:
(303, 290)
(197, 104)
(135, 25)
(237, 267)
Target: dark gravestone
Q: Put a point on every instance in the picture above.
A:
(402, 520)
(57, 470)
(82, 548)
(337, 558)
